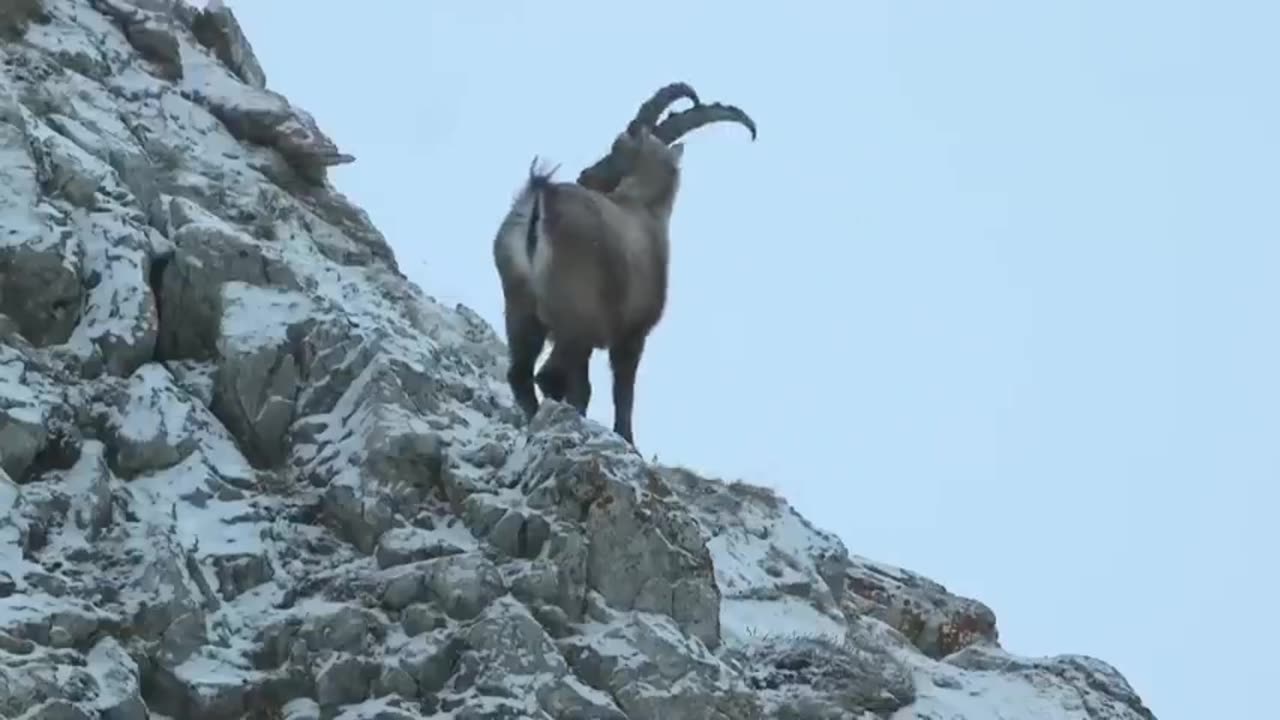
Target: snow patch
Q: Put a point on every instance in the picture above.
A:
(218, 528)
(115, 672)
(745, 621)
(254, 317)
(987, 696)
(147, 419)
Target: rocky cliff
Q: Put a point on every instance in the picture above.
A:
(250, 471)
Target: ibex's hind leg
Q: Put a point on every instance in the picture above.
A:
(525, 337)
(566, 375)
(624, 358)
(570, 365)
(579, 391)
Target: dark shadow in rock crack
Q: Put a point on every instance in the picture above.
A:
(61, 450)
(155, 279)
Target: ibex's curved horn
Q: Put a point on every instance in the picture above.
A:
(681, 123)
(652, 109)
(606, 173)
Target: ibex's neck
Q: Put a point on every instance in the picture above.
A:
(658, 198)
(665, 201)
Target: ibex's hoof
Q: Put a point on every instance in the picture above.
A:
(528, 404)
(625, 433)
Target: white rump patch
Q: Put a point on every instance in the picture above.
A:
(513, 235)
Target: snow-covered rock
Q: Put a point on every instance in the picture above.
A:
(248, 470)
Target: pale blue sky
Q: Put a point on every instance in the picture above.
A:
(994, 296)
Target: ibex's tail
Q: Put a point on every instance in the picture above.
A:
(536, 188)
(522, 228)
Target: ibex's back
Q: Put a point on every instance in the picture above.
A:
(599, 267)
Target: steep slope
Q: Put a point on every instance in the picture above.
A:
(250, 471)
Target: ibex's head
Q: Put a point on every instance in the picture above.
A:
(653, 169)
(648, 144)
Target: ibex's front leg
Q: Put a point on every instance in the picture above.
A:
(579, 391)
(624, 358)
(525, 338)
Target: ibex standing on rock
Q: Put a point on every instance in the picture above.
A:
(586, 263)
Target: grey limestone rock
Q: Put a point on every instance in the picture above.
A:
(644, 551)
(40, 254)
(248, 469)
(218, 29)
(157, 426)
(16, 14)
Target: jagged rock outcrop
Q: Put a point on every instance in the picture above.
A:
(248, 470)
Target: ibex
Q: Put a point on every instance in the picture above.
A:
(586, 263)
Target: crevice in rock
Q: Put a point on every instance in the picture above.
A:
(300, 350)
(211, 602)
(61, 451)
(37, 540)
(155, 279)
